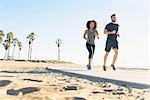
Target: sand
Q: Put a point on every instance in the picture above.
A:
(32, 81)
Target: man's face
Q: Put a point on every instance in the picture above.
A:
(113, 18)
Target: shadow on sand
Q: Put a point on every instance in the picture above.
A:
(4, 83)
(41, 71)
(88, 77)
(100, 79)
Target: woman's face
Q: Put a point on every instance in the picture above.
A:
(92, 24)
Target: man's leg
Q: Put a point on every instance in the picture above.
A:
(107, 49)
(115, 58)
(105, 58)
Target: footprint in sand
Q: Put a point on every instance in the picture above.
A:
(72, 98)
(33, 80)
(67, 88)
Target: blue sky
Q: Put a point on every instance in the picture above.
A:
(66, 19)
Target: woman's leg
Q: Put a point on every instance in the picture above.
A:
(89, 48)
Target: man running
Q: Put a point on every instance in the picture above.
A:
(111, 30)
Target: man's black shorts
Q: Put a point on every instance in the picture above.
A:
(111, 44)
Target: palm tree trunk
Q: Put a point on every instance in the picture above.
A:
(29, 51)
(13, 52)
(58, 53)
(5, 54)
(8, 53)
(19, 54)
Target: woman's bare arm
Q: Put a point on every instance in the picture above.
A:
(84, 36)
(97, 35)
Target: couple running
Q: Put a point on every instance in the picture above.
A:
(111, 30)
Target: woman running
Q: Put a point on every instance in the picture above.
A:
(89, 36)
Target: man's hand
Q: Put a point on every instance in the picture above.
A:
(118, 34)
(113, 32)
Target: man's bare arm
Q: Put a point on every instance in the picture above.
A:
(107, 32)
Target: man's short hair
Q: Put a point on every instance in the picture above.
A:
(113, 15)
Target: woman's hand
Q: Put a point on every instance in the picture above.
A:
(97, 36)
(84, 35)
(85, 38)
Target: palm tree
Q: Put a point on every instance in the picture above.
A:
(58, 43)
(31, 38)
(14, 42)
(1, 36)
(6, 46)
(20, 47)
(10, 36)
(8, 42)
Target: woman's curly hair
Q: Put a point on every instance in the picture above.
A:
(88, 24)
